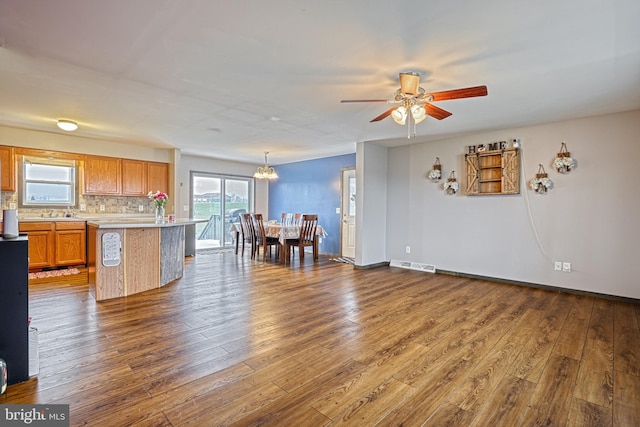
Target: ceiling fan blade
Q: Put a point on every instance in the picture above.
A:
(436, 112)
(383, 115)
(468, 92)
(364, 100)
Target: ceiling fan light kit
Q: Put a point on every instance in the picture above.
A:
(415, 100)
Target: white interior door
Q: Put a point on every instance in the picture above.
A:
(348, 224)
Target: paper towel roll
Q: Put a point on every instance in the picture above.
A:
(10, 223)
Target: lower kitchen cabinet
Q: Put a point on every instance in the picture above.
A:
(70, 243)
(41, 243)
(56, 243)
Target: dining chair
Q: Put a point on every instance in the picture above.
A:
(245, 231)
(287, 218)
(308, 226)
(261, 239)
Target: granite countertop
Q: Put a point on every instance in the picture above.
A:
(140, 222)
(112, 221)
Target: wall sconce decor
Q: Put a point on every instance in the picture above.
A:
(564, 163)
(436, 173)
(451, 187)
(541, 183)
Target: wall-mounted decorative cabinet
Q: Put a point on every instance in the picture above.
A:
(493, 172)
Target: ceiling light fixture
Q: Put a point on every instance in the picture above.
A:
(266, 172)
(67, 125)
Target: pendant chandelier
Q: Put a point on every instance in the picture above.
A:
(266, 172)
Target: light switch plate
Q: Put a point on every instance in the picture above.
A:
(101, 208)
(140, 208)
(83, 207)
(185, 208)
(558, 266)
(566, 267)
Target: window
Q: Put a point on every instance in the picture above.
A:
(48, 182)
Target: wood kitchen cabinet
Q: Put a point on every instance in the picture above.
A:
(56, 243)
(126, 177)
(157, 177)
(102, 175)
(7, 169)
(134, 178)
(41, 243)
(70, 243)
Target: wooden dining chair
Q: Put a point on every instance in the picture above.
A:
(261, 239)
(246, 233)
(308, 226)
(287, 218)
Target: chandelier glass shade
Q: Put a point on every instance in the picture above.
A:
(266, 172)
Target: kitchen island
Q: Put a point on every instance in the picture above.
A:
(126, 257)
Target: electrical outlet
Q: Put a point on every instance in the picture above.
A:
(83, 207)
(12, 205)
(558, 266)
(140, 208)
(101, 208)
(185, 208)
(566, 267)
(407, 249)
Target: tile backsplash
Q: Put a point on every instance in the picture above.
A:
(112, 205)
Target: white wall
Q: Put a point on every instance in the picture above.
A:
(180, 165)
(589, 219)
(371, 196)
(71, 143)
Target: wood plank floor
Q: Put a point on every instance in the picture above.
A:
(244, 342)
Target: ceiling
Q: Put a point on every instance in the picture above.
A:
(231, 80)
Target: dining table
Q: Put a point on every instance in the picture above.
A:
(282, 232)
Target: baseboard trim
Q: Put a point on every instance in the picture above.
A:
(368, 266)
(540, 286)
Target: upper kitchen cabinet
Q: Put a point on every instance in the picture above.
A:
(102, 175)
(7, 169)
(134, 178)
(157, 177)
(140, 177)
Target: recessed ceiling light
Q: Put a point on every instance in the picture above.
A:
(275, 118)
(67, 125)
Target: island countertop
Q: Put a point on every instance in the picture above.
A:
(141, 222)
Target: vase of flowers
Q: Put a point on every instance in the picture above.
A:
(541, 183)
(451, 187)
(436, 173)
(563, 163)
(159, 200)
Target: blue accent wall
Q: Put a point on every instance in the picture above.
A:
(312, 187)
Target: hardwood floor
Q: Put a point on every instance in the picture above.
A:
(242, 342)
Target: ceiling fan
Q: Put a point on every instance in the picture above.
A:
(414, 102)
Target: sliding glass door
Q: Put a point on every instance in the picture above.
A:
(220, 200)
